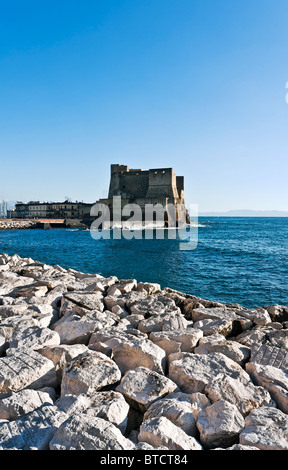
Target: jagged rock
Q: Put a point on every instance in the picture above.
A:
(15, 316)
(150, 288)
(278, 312)
(113, 291)
(61, 355)
(154, 306)
(32, 431)
(259, 316)
(21, 403)
(253, 336)
(163, 322)
(33, 291)
(34, 337)
(231, 349)
(126, 285)
(90, 433)
(212, 327)
(88, 373)
(142, 387)
(130, 351)
(217, 313)
(278, 338)
(177, 340)
(11, 282)
(74, 329)
(197, 401)
(109, 405)
(26, 368)
(269, 355)
(88, 300)
(274, 380)
(139, 352)
(265, 428)
(192, 372)
(177, 411)
(219, 425)
(245, 396)
(162, 432)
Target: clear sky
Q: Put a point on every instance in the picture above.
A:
(197, 85)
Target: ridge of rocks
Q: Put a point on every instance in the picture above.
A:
(88, 362)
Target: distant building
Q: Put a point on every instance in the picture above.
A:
(53, 210)
(3, 209)
(143, 187)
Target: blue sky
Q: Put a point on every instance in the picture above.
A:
(197, 85)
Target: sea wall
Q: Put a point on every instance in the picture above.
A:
(8, 224)
(88, 362)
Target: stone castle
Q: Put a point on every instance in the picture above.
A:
(154, 186)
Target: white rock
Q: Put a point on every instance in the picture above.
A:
(162, 432)
(88, 373)
(33, 431)
(21, 403)
(109, 405)
(245, 397)
(26, 368)
(192, 372)
(61, 355)
(266, 428)
(84, 432)
(88, 300)
(142, 387)
(274, 380)
(187, 338)
(178, 412)
(217, 343)
(220, 425)
(34, 337)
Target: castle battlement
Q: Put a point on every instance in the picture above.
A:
(153, 186)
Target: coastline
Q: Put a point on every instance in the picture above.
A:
(22, 224)
(135, 366)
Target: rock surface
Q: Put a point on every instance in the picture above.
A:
(88, 362)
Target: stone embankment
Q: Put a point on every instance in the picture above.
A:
(89, 362)
(8, 224)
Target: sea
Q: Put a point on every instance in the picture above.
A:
(236, 260)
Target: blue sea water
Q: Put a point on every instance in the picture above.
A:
(237, 260)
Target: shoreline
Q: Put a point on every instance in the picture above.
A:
(133, 366)
(22, 224)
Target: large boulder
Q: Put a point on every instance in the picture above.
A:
(265, 428)
(162, 432)
(245, 396)
(193, 372)
(34, 337)
(88, 373)
(33, 431)
(142, 387)
(84, 432)
(220, 425)
(25, 368)
(272, 379)
(180, 412)
(109, 405)
(21, 403)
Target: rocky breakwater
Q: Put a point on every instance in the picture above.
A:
(89, 362)
(8, 224)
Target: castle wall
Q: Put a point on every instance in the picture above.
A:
(162, 183)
